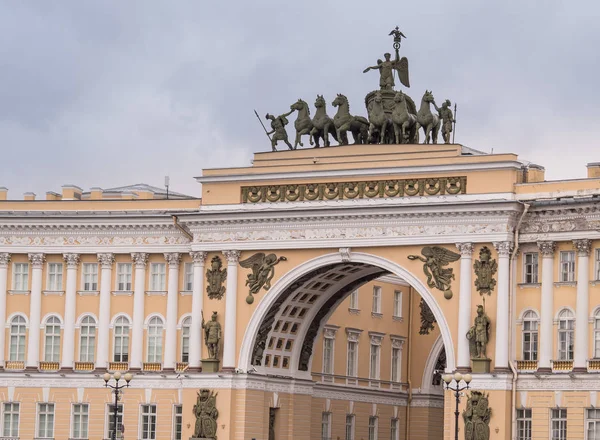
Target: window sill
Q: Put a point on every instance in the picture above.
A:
(398, 318)
(565, 284)
(53, 292)
(529, 285)
(19, 292)
(122, 292)
(88, 292)
(186, 293)
(353, 311)
(595, 282)
(377, 315)
(155, 292)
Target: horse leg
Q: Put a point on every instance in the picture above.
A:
(370, 135)
(397, 133)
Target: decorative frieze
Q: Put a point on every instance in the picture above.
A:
(353, 334)
(376, 338)
(16, 239)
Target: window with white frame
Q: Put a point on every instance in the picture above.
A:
(373, 425)
(376, 299)
(328, 355)
(18, 332)
(52, 339)
(567, 266)
(10, 419)
(396, 361)
(350, 426)
(374, 364)
(90, 277)
(87, 339)
(80, 419)
(155, 339)
(55, 277)
(352, 370)
(398, 304)
(597, 334)
(592, 423)
(45, 420)
(395, 429)
(530, 268)
(121, 339)
(177, 422)
(558, 424)
(185, 339)
(326, 426)
(566, 330)
(530, 336)
(354, 299)
(597, 272)
(188, 277)
(110, 420)
(21, 276)
(148, 422)
(158, 276)
(524, 424)
(124, 277)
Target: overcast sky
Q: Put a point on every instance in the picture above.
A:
(109, 93)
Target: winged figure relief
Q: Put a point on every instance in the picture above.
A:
(263, 270)
(438, 276)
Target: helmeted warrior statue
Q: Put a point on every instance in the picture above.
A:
(479, 335)
(278, 129)
(206, 413)
(447, 119)
(212, 336)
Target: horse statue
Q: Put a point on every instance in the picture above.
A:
(303, 122)
(379, 122)
(429, 121)
(405, 123)
(344, 122)
(322, 124)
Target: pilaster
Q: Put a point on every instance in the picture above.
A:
(547, 249)
(229, 347)
(198, 259)
(170, 359)
(464, 305)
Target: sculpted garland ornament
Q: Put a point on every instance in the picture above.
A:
(263, 270)
(435, 258)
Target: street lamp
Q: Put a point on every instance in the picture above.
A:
(117, 388)
(457, 389)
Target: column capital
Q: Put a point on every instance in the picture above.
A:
(547, 248)
(583, 246)
(232, 256)
(173, 258)
(140, 259)
(72, 260)
(465, 249)
(106, 260)
(4, 259)
(37, 260)
(504, 248)
(199, 257)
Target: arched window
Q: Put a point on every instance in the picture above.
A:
(597, 334)
(87, 339)
(185, 339)
(566, 326)
(18, 327)
(530, 336)
(155, 331)
(121, 341)
(52, 344)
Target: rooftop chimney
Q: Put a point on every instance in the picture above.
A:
(96, 193)
(28, 196)
(71, 192)
(51, 195)
(3, 193)
(593, 170)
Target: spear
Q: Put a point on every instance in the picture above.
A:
(263, 125)
(454, 130)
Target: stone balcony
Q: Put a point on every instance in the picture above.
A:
(527, 366)
(562, 366)
(153, 367)
(180, 367)
(14, 365)
(48, 367)
(83, 367)
(118, 366)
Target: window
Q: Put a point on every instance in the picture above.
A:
(349, 426)
(148, 424)
(188, 277)
(157, 276)
(566, 326)
(354, 299)
(178, 422)
(374, 369)
(524, 424)
(87, 339)
(376, 299)
(593, 424)
(55, 274)
(597, 277)
(10, 419)
(395, 429)
(597, 335)
(121, 342)
(155, 330)
(398, 304)
(80, 420)
(567, 266)
(326, 426)
(21, 276)
(52, 344)
(17, 338)
(530, 336)
(559, 424)
(90, 277)
(185, 339)
(530, 271)
(45, 428)
(373, 422)
(328, 355)
(352, 359)
(111, 420)
(396, 364)
(124, 276)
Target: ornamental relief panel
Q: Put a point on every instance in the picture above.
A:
(90, 240)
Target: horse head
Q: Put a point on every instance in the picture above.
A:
(378, 98)
(339, 100)
(428, 96)
(320, 102)
(299, 105)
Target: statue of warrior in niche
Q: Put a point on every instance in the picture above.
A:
(212, 335)
(479, 335)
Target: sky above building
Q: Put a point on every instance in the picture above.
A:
(111, 93)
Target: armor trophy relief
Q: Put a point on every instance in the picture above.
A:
(392, 116)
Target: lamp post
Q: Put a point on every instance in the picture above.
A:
(117, 388)
(457, 377)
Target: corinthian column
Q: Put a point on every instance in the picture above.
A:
(197, 308)
(68, 347)
(583, 248)
(35, 310)
(229, 347)
(173, 259)
(546, 320)
(502, 325)
(4, 260)
(106, 262)
(464, 305)
(137, 337)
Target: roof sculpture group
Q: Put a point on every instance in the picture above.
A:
(393, 117)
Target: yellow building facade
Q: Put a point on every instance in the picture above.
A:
(350, 336)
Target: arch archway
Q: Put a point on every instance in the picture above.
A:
(307, 295)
